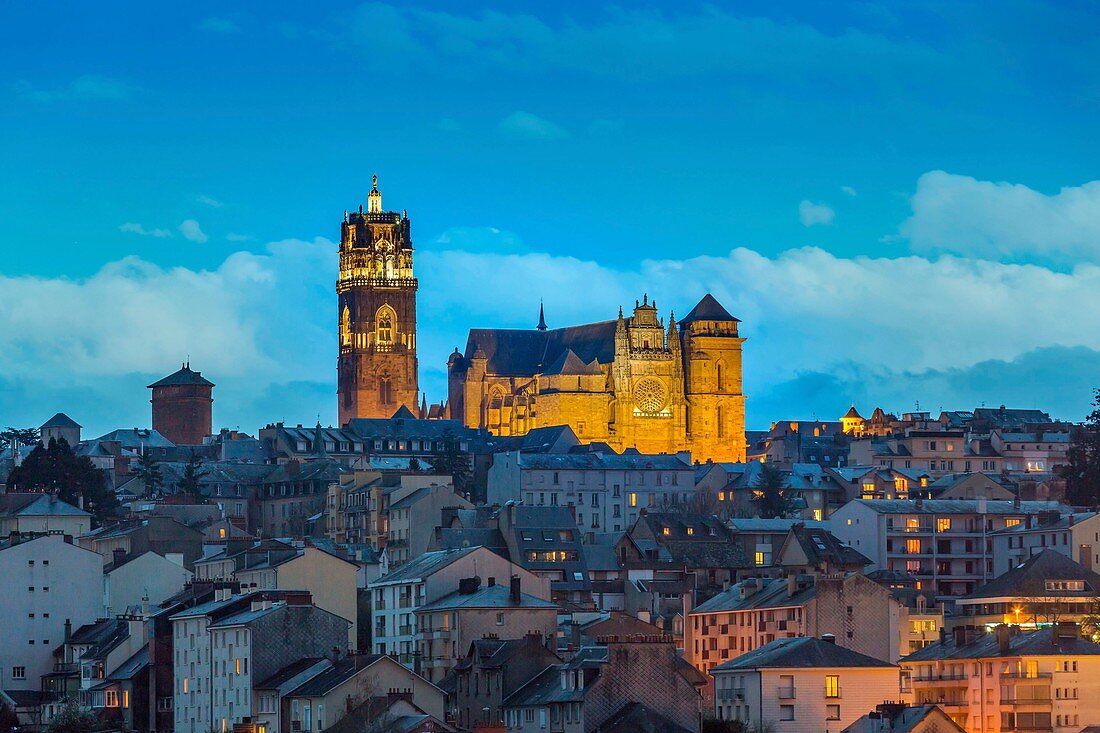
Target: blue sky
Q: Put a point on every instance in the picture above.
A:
(899, 200)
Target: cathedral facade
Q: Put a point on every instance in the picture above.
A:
(631, 382)
(376, 292)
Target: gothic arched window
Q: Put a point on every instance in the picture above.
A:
(385, 391)
(718, 375)
(386, 329)
(345, 327)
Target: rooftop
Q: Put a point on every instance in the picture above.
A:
(801, 651)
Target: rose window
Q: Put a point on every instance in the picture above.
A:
(650, 396)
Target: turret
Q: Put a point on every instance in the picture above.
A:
(374, 198)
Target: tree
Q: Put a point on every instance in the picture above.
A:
(75, 478)
(72, 719)
(148, 469)
(1082, 469)
(189, 482)
(771, 499)
(452, 461)
(9, 721)
(24, 436)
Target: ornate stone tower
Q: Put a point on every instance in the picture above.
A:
(376, 291)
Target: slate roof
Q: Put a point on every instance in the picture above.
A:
(958, 506)
(340, 672)
(523, 352)
(569, 363)
(447, 538)
(132, 666)
(801, 651)
(1028, 580)
(288, 672)
(820, 545)
(135, 438)
(634, 717)
(369, 428)
(492, 653)
(183, 376)
(1040, 642)
(708, 309)
(61, 420)
(424, 565)
(772, 525)
(773, 594)
(905, 720)
(37, 505)
(490, 596)
(604, 461)
(1063, 522)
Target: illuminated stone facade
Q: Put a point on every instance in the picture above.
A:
(630, 382)
(377, 367)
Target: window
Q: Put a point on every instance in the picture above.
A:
(633, 502)
(786, 712)
(111, 697)
(500, 618)
(832, 712)
(832, 685)
(759, 557)
(943, 524)
(912, 547)
(19, 673)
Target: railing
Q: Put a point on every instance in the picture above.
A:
(832, 693)
(1030, 699)
(1027, 676)
(731, 693)
(939, 678)
(786, 693)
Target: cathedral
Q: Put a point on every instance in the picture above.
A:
(376, 293)
(629, 382)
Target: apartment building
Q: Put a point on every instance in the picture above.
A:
(27, 513)
(500, 667)
(450, 624)
(801, 684)
(414, 514)
(1009, 680)
(398, 595)
(606, 491)
(222, 647)
(941, 451)
(947, 545)
(49, 584)
(1075, 535)
(859, 613)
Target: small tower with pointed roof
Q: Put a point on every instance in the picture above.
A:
(852, 423)
(183, 406)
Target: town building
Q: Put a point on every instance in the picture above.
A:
(491, 670)
(859, 613)
(605, 491)
(398, 595)
(448, 626)
(629, 382)
(183, 406)
(41, 512)
(1074, 534)
(50, 585)
(376, 310)
(945, 544)
(154, 533)
(220, 647)
(413, 516)
(1009, 680)
(1046, 589)
(897, 717)
(60, 427)
(800, 684)
(600, 684)
(762, 539)
(131, 581)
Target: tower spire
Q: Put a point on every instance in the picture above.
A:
(542, 318)
(374, 198)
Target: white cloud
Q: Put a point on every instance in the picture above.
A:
(209, 201)
(848, 190)
(219, 25)
(191, 230)
(810, 213)
(87, 86)
(953, 213)
(531, 126)
(133, 228)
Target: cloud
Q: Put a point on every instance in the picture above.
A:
(219, 25)
(531, 126)
(208, 201)
(191, 230)
(849, 191)
(88, 86)
(955, 213)
(810, 213)
(133, 228)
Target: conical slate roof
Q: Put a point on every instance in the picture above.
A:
(60, 420)
(183, 376)
(708, 309)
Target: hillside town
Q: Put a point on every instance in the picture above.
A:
(911, 572)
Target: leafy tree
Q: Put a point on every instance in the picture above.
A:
(56, 468)
(454, 462)
(771, 499)
(25, 436)
(190, 481)
(72, 719)
(1082, 469)
(9, 721)
(148, 468)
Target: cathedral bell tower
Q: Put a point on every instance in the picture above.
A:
(376, 293)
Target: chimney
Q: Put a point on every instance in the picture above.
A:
(68, 629)
(514, 590)
(118, 555)
(828, 638)
(792, 585)
(467, 586)
(1004, 638)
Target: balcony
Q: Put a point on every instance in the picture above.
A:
(786, 693)
(1016, 676)
(730, 693)
(937, 679)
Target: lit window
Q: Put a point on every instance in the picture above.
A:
(759, 557)
(943, 524)
(819, 514)
(666, 531)
(1012, 522)
(633, 499)
(832, 685)
(912, 547)
(721, 496)
(237, 666)
(691, 530)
